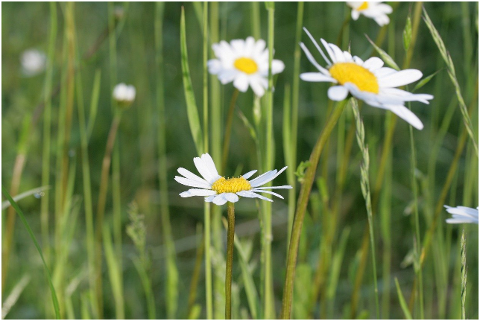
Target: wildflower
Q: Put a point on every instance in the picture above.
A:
(245, 62)
(219, 190)
(33, 62)
(375, 10)
(366, 80)
(462, 214)
(124, 94)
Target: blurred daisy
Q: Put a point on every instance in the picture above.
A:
(33, 62)
(219, 190)
(462, 214)
(124, 94)
(245, 62)
(366, 80)
(375, 10)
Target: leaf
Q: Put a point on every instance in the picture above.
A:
(425, 80)
(32, 236)
(38, 190)
(403, 304)
(385, 57)
(192, 111)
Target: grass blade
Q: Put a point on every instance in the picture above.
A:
(403, 303)
(192, 110)
(32, 236)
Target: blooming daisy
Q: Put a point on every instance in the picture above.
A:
(366, 80)
(245, 62)
(375, 10)
(33, 62)
(124, 94)
(218, 189)
(462, 214)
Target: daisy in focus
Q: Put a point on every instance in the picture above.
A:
(33, 62)
(124, 94)
(462, 214)
(219, 190)
(366, 80)
(245, 62)
(374, 10)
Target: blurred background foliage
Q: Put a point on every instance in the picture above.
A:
(26, 25)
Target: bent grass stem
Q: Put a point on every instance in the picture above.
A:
(301, 208)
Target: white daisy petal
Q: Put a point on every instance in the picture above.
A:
(317, 46)
(190, 175)
(330, 51)
(277, 66)
(463, 211)
(268, 192)
(337, 93)
(197, 192)
(373, 63)
(191, 183)
(274, 187)
(249, 174)
(400, 78)
(231, 197)
(203, 170)
(256, 84)
(250, 194)
(355, 14)
(338, 53)
(262, 179)
(312, 60)
(407, 115)
(209, 199)
(219, 199)
(316, 77)
(208, 161)
(241, 82)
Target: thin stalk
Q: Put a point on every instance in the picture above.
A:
(47, 124)
(171, 277)
(101, 209)
(228, 130)
(417, 222)
(87, 191)
(228, 270)
(301, 208)
(292, 161)
(269, 303)
(365, 184)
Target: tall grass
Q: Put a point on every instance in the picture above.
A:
(167, 258)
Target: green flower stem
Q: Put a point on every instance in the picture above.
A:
(294, 121)
(269, 304)
(228, 130)
(228, 271)
(301, 208)
(101, 209)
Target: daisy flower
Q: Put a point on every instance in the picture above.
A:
(219, 190)
(462, 214)
(245, 62)
(366, 80)
(375, 10)
(124, 94)
(33, 62)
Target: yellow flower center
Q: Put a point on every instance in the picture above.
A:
(246, 65)
(231, 185)
(363, 6)
(345, 72)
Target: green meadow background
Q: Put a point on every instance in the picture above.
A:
(135, 280)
